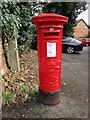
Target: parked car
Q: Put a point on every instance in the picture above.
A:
(86, 41)
(70, 45)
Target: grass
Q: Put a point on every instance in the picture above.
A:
(34, 93)
(8, 98)
(34, 90)
(25, 89)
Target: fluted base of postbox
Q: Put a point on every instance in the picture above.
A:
(49, 98)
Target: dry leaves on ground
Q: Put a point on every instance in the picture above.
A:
(21, 83)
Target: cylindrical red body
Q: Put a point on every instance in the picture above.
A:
(49, 36)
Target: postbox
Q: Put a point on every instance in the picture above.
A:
(49, 39)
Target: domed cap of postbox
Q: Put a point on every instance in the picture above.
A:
(49, 18)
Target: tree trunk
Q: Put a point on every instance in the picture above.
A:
(13, 53)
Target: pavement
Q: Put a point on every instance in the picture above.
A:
(74, 92)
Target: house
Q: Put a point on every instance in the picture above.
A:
(81, 30)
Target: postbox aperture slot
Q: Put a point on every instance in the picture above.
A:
(51, 34)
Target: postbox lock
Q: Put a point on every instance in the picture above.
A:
(51, 29)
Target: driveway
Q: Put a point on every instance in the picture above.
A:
(74, 92)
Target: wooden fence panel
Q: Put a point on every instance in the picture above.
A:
(1, 98)
(2, 60)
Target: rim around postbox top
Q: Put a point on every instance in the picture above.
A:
(49, 17)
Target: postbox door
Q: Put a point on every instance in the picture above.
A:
(49, 56)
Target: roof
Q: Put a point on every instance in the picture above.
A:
(89, 25)
(84, 15)
(84, 22)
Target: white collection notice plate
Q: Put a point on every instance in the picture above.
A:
(51, 49)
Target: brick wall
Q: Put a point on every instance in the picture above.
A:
(81, 30)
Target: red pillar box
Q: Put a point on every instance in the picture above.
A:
(49, 36)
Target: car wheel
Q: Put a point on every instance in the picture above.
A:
(70, 49)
